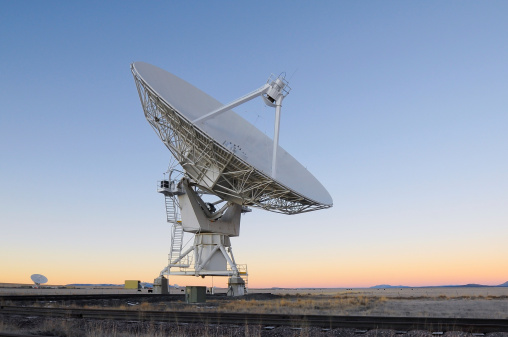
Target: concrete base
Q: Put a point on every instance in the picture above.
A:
(236, 286)
(161, 285)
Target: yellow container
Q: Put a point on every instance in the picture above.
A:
(132, 284)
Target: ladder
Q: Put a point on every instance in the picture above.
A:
(173, 216)
(172, 210)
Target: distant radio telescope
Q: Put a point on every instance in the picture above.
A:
(223, 165)
(38, 279)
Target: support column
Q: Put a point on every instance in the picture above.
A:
(236, 286)
(276, 135)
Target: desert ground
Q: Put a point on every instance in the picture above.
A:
(463, 302)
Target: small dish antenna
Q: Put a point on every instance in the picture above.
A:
(38, 279)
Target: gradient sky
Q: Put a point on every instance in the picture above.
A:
(400, 108)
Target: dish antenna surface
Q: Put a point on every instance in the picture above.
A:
(220, 155)
(39, 279)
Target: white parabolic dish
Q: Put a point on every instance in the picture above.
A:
(224, 154)
(39, 279)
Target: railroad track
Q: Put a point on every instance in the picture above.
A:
(331, 322)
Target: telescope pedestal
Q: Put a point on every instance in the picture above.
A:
(211, 253)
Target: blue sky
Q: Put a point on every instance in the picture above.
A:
(398, 107)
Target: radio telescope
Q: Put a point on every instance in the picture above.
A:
(219, 155)
(38, 279)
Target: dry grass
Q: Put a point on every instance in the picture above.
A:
(343, 303)
(108, 328)
(320, 305)
(359, 305)
(302, 304)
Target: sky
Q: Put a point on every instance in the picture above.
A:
(399, 108)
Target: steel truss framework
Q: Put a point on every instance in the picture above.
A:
(237, 180)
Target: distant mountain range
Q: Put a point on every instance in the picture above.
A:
(389, 286)
(470, 285)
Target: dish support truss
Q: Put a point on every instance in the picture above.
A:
(215, 167)
(211, 253)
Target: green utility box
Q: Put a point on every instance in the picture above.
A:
(195, 294)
